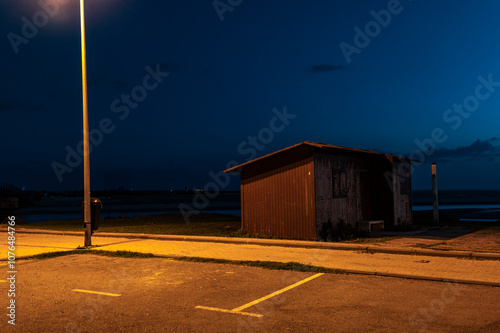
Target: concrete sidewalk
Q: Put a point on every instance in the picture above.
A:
(373, 247)
(350, 258)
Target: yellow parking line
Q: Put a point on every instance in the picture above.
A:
(238, 309)
(95, 292)
(277, 292)
(229, 311)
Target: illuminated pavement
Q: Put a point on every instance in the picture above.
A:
(89, 293)
(405, 265)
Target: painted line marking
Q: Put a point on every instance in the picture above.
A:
(95, 292)
(116, 243)
(3, 280)
(262, 299)
(277, 292)
(46, 246)
(229, 311)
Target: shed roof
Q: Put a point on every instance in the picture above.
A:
(314, 146)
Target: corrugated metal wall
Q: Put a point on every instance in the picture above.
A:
(280, 202)
(293, 192)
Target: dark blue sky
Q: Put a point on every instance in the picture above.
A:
(177, 89)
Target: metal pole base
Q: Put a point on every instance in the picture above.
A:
(88, 235)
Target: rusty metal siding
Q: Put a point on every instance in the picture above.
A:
(280, 202)
(290, 194)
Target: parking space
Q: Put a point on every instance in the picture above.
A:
(89, 293)
(240, 309)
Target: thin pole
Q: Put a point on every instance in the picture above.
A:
(86, 160)
(435, 195)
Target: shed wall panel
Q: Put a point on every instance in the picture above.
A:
(368, 194)
(352, 207)
(402, 193)
(280, 202)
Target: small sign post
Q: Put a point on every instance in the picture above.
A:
(435, 195)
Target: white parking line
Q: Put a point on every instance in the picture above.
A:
(238, 309)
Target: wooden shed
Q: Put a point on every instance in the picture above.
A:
(294, 192)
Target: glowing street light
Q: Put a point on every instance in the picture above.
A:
(86, 159)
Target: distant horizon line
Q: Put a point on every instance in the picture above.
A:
(238, 190)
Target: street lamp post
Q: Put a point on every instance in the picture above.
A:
(86, 159)
(435, 204)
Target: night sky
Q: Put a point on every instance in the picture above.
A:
(179, 89)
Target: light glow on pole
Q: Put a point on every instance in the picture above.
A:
(86, 159)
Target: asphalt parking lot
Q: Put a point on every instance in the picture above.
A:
(90, 293)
